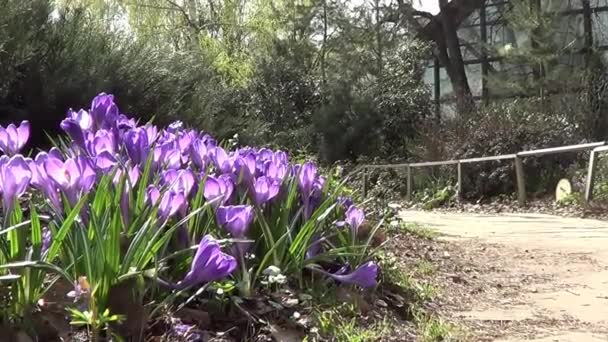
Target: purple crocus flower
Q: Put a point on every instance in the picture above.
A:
(167, 155)
(281, 157)
(41, 181)
(199, 154)
(187, 332)
(209, 141)
(124, 123)
(179, 180)
(209, 264)
(137, 145)
(185, 140)
(171, 202)
(12, 138)
(245, 167)
(235, 218)
(104, 111)
(82, 118)
(215, 188)
(103, 140)
(354, 219)
(74, 176)
(102, 148)
(364, 276)
(265, 189)
(276, 170)
(76, 125)
(222, 161)
(315, 247)
(152, 133)
(15, 176)
(307, 175)
(345, 202)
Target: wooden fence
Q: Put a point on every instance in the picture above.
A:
(596, 149)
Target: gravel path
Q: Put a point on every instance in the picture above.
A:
(556, 267)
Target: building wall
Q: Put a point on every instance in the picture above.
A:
(485, 37)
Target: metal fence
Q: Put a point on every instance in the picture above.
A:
(596, 149)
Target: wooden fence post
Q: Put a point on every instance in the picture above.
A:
(590, 177)
(459, 188)
(521, 181)
(408, 196)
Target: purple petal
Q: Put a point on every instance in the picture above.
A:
(364, 276)
(236, 218)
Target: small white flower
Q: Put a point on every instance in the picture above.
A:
(220, 291)
(272, 271)
(296, 315)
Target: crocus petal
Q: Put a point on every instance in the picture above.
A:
(209, 264)
(364, 276)
(16, 176)
(354, 218)
(235, 218)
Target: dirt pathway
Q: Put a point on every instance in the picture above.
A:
(544, 278)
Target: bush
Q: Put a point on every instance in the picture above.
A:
(505, 128)
(50, 64)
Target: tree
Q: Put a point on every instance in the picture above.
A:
(441, 30)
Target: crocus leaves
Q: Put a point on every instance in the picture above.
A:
(166, 168)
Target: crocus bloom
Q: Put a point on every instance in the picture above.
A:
(152, 133)
(307, 176)
(215, 188)
(199, 154)
(209, 264)
(221, 160)
(12, 138)
(137, 145)
(354, 218)
(179, 180)
(265, 189)
(235, 218)
(74, 176)
(346, 202)
(74, 131)
(167, 155)
(276, 170)
(41, 181)
(245, 167)
(364, 276)
(170, 203)
(104, 111)
(15, 176)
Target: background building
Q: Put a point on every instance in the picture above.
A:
(519, 48)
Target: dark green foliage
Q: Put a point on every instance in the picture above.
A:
(506, 128)
(51, 63)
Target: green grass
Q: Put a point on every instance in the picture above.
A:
(340, 326)
(419, 231)
(435, 329)
(425, 267)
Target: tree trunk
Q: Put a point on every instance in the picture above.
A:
(453, 61)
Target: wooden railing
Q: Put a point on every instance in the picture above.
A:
(595, 147)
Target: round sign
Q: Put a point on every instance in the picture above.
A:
(563, 189)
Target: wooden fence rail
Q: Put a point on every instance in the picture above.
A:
(596, 149)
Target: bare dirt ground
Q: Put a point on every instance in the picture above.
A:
(520, 277)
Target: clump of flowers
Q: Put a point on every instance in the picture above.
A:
(131, 200)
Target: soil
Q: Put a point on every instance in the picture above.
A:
(515, 277)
